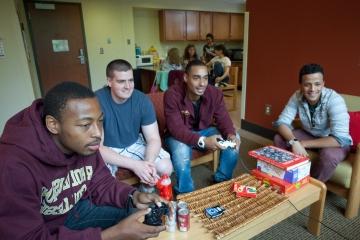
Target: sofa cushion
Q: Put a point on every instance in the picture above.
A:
(343, 171)
(158, 101)
(354, 128)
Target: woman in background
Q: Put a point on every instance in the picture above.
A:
(208, 49)
(173, 60)
(220, 65)
(189, 54)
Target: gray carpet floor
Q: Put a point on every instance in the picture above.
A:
(293, 227)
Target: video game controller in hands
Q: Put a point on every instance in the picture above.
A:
(154, 217)
(226, 143)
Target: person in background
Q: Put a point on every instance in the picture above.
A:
(173, 60)
(190, 110)
(131, 134)
(208, 48)
(324, 119)
(54, 183)
(220, 66)
(189, 54)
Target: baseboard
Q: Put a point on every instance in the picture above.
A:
(257, 133)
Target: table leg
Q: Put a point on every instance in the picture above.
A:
(317, 209)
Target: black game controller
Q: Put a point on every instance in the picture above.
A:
(154, 217)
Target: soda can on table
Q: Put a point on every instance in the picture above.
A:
(183, 219)
(170, 219)
(181, 205)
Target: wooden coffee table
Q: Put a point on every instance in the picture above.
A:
(313, 194)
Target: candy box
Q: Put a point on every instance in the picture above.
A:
(244, 191)
(278, 157)
(293, 175)
(214, 212)
(281, 185)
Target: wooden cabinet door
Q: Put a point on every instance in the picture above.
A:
(192, 25)
(221, 26)
(205, 24)
(236, 26)
(172, 25)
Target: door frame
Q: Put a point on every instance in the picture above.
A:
(28, 19)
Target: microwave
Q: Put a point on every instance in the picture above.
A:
(144, 60)
(235, 54)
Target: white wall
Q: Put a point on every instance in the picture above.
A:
(16, 90)
(107, 20)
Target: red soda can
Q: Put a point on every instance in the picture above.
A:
(181, 204)
(183, 219)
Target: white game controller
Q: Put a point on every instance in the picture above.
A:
(226, 143)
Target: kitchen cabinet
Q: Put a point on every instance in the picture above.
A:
(192, 25)
(181, 25)
(221, 26)
(236, 26)
(205, 22)
(172, 25)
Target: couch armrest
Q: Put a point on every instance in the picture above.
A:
(356, 162)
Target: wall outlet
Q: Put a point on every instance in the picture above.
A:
(101, 51)
(268, 109)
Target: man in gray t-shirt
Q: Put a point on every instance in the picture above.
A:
(130, 127)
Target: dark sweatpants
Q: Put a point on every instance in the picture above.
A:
(217, 71)
(329, 158)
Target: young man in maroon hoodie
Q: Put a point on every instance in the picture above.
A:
(54, 183)
(190, 110)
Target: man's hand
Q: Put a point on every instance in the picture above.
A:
(131, 228)
(212, 142)
(142, 200)
(233, 138)
(146, 171)
(299, 149)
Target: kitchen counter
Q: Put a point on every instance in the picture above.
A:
(149, 68)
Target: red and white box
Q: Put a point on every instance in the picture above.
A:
(278, 157)
(292, 175)
(279, 184)
(244, 191)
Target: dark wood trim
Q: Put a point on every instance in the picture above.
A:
(32, 38)
(256, 129)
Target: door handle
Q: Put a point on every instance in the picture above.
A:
(82, 56)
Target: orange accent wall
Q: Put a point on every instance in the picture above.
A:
(284, 35)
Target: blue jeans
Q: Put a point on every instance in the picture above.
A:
(217, 71)
(181, 155)
(85, 214)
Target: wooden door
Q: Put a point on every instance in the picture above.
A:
(236, 26)
(221, 26)
(172, 25)
(192, 25)
(58, 40)
(205, 24)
